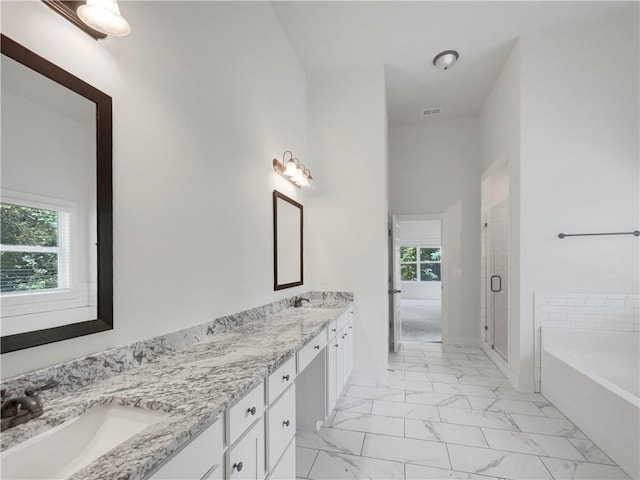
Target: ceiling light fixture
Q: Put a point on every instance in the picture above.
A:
(292, 170)
(445, 60)
(104, 16)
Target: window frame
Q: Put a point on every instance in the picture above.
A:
(418, 262)
(439, 262)
(66, 222)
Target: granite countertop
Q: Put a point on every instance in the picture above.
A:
(194, 386)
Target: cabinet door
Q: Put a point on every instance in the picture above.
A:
(281, 426)
(340, 378)
(332, 372)
(245, 459)
(201, 458)
(286, 468)
(349, 350)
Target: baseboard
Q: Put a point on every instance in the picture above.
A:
(499, 362)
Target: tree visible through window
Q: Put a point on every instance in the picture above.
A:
(422, 261)
(29, 248)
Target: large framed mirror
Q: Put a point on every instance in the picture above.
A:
(287, 242)
(56, 274)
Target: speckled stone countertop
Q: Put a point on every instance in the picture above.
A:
(194, 386)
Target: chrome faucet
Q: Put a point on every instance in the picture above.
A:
(18, 410)
(298, 302)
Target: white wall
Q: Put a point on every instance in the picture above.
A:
(435, 168)
(203, 98)
(420, 231)
(347, 214)
(579, 161)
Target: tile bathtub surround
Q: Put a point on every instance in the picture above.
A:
(84, 371)
(194, 386)
(447, 430)
(617, 312)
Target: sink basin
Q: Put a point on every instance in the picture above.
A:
(67, 448)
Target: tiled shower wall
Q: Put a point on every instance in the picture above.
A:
(618, 312)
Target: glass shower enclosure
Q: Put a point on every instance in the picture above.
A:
(496, 281)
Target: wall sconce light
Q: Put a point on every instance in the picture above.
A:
(292, 170)
(104, 16)
(97, 18)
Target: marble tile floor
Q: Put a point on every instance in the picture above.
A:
(447, 412)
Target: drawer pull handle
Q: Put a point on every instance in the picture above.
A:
(333, 329)
(350, 326)
(252, 411)
(286, 423)
(237, 466)
(286, 378)
(336, 345)
(317, 347)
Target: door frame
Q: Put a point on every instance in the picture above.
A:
(444, 270)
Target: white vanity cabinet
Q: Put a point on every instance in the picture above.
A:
(245, 459)
(311, 350)
(339, 357)
(281, 379)
(245, 411)
(201, 459)
(281, 426)
(333, 345)
(255, 438)
(286, 467)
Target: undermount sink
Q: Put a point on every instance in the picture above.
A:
(67, 448)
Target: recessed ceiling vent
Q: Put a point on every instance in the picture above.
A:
(431, 111)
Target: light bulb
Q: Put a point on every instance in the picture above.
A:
(291, 169)
(298, 175)
(104, 16)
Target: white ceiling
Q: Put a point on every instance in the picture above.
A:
(405, 36)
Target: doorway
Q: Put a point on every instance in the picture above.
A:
(417, 289)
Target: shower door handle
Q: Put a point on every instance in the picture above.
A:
(499, 279)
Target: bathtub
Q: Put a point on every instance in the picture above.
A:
(593, 377)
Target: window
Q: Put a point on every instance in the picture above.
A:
(422, 261)
(34, 247)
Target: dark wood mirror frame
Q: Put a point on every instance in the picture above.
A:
(26, 57)
(280, 286)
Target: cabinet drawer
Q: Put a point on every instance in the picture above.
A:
(245, 459)
(200, 458)
(281, 426)
(279, 380)
(245, 412)
(286, 468)
(332, 330)
(307, 353)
